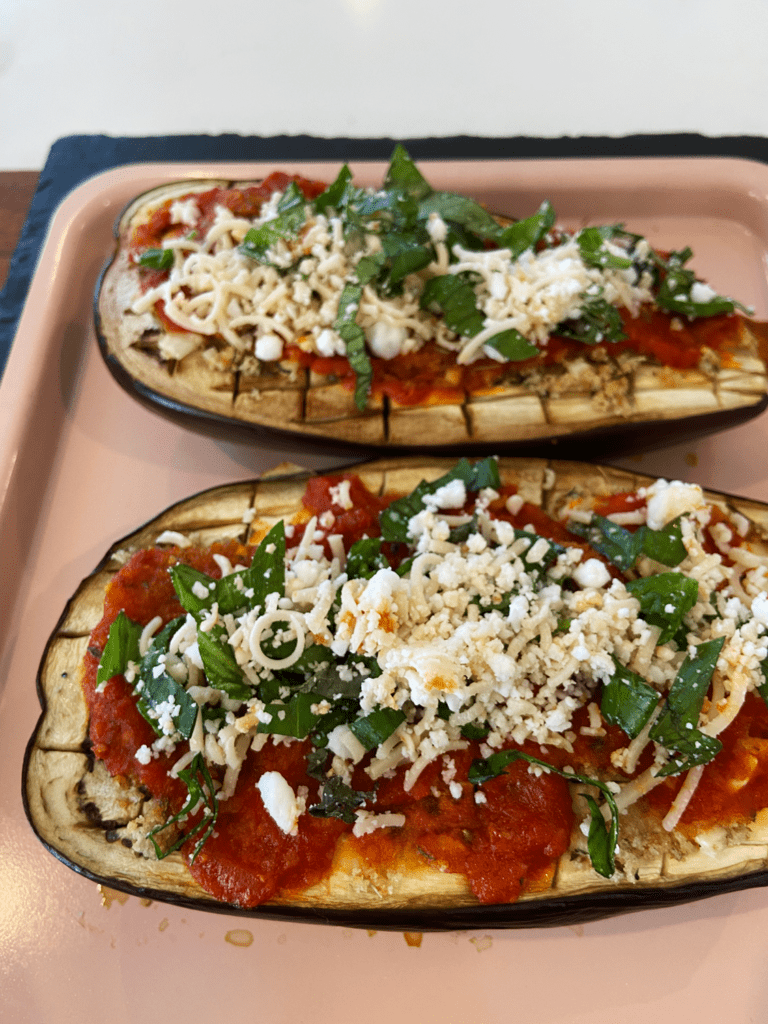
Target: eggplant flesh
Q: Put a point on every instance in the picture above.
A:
(92, 822)
(616, 403)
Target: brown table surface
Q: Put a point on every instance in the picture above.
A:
(16, 191)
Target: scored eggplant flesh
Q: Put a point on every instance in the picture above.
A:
(94, 823)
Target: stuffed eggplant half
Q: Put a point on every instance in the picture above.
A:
(412, 318)
(417, 695)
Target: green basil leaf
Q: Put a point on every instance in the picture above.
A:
(121, 647)
(676, 290)
(513, 345)
(295, 718)
(407, 254)
(338, 800)
(365, 559)
(156, 687)
(336, 193)
(454, 296)
(666, 545)
(475, 476)
(460, 210)
(598, 321)
(291, 215)
(621, 547)
(628, 701)
(473, 731)
(377, 726)
(601, 840)
(220, 664)
(676, 728)
(527, 234)
(403, 176)
(157, 259)
(665, 600)
(354, 340)
(266, 573)
(201, 792)
(591, 242)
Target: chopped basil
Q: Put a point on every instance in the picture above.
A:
(676, 728)
(220, 664)
(247, 588)
(622, 547)
(513, 345)
(377, 726)
(404, 177)
(463, 211)
(527, 234)
(365, 559)
(598, 321)
(677, 290)
(201, 792)
(475, 476)
(454, 296)
(295, 718)
(338, 800)
(291, 214)
(628, 701)
(157, 689)
(591, 242)
(122, 647)
(354, 339)
(337, 193)
(601, 841)
(665, 599)
(157, 259)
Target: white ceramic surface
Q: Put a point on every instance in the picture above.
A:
(378, 67)
(81, 464)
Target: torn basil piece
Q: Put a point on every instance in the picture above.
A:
(158, 692)
(294, 718)
(628, 701)
(338, 800)
(156, 259)
(377, 726)
(676, 728)
(354, 339)
(291, 215)
(527, 234)
(680, 292)
(454, 296)
(591, 242)
(475, 477)
(220, 664)
(365, 559)
(622, 547)
(122, 647)
(665, 600)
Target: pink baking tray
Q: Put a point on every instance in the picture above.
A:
(82, 464)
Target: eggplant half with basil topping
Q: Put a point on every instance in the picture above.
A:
(411, 318)
(417, 695)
